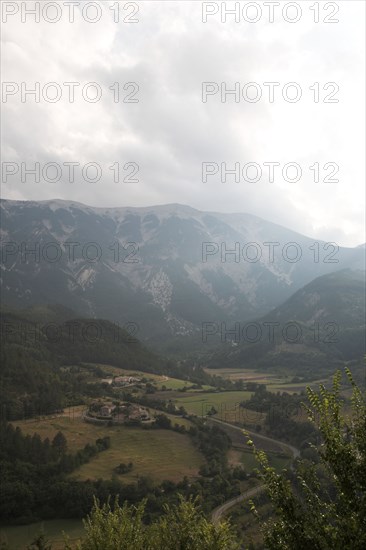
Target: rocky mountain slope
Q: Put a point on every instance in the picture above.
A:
(168, 269)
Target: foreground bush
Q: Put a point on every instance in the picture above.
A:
(323, 506)
(181, 527)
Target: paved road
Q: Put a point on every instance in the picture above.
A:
(223, 508)
(294, 451)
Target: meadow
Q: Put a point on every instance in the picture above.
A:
(246, 458)
(157, 453)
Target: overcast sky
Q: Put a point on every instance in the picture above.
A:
(170, 132)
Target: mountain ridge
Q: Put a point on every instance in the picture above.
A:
(168, 268)
(169, 206)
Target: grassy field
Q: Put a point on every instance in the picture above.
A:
(238, 457)
(20, 536)
(160, 454)
(225, 403)
(246, 458)
(78, 433)
(248, 417)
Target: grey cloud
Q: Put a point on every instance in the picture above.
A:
(170, 131)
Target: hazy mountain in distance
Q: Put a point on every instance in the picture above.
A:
(166, 268)
(335, 297)
(319, 326)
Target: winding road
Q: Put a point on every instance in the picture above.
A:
(221, 510)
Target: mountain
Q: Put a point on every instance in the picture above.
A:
(335, 298)
(320, 326)
(162, 268)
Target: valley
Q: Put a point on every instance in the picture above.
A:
(159, 455)
(162, 377)
(182, 275)
(161, 449)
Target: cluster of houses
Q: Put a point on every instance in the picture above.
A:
(123, 412)
(103, 411)
(121, 381)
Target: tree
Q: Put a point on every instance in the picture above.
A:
(59, 444)
(184, 526)
(120, 528)
(162, 421)
(325, 507)
(181, 526)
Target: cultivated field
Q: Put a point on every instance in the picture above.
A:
(225, 403)
(274, 382)
(247, 375)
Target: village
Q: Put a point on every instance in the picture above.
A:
(121, 381)
(105, 412)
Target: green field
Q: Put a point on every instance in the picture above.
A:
(247, 375)
(160, 454)
(278, 462)
(240, 457)
(225, 403)
(298, 387)
(78, 432)
(274, 382)
(20, 536)
(246, 458)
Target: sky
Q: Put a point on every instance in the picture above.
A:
(150, 122)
